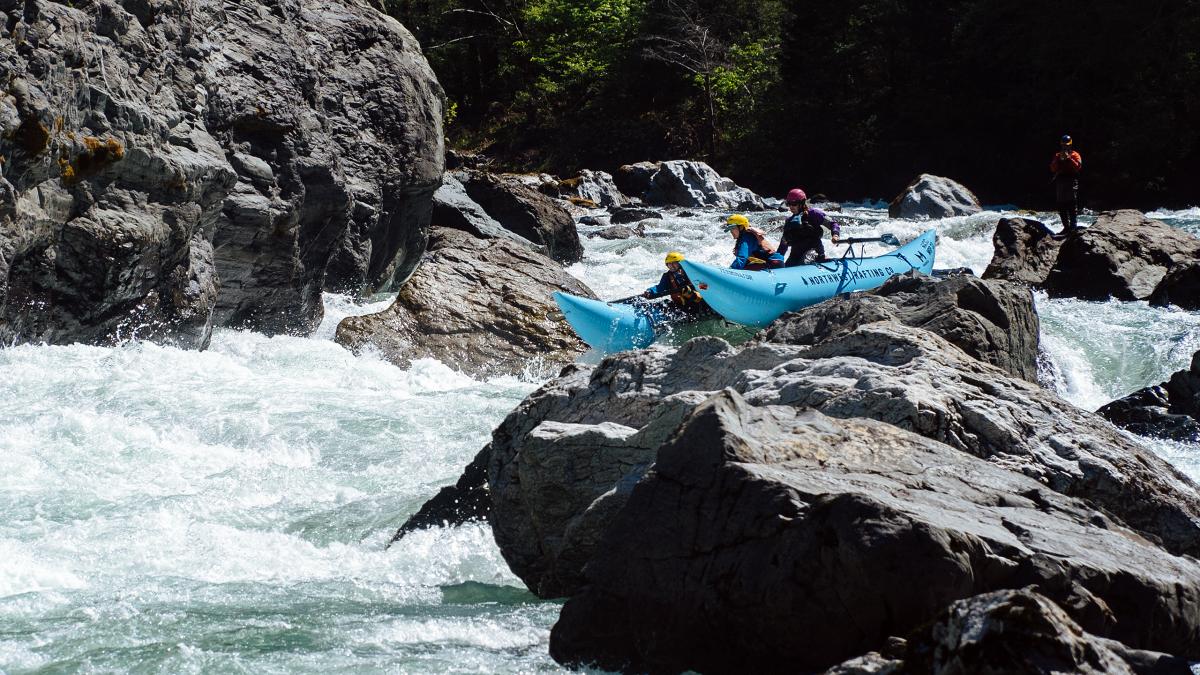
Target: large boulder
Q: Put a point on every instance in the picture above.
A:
(453, 208)
(174, 164)
(1168, 410)
(994, 321)
(904, 376)
(772, 538)
(596, 187)
(635, 180)
(930, 196)
(525, 211)
(483, 306)
(1025, 251)
(696, 184)
(1123, 255)
(1022, 631)
(631, 214)
(1181, 287)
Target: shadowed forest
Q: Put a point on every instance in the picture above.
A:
(851, 99)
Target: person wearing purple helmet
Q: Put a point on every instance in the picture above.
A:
(802, 230)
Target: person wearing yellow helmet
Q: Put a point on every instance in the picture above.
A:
(751, 250)
(675, 283)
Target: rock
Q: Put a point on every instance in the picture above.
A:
(905, 376)
(620, 232)
(465, 501)
(591, 221)
(174, 165)
(1025, 251)
(527, 212)
(772, 538)
(635, 180)
(483, 306)
(629, 214)
(1168, 410)
(1022, 631)
(871, 663)
(696, 184)
(931, 196)
(1123, 255)
(595, 186)
(452, 208)
(1181, 287)
(993, 321)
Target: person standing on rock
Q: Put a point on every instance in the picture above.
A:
(675, 283)
(1066, 166)
(751, 250)
(802, 230)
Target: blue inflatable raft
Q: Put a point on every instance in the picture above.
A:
(758, 298)
(608, 326)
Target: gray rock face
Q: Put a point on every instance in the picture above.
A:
(157, 152)
(1025, 251)
(1168, 410)
(770, 538)
(1022, 631)
(626, 215)
(931, 196)
(1124, 255)
(1181, 287)
(884, 371)
(480, 305)
(635, 179)
(597, 187)
(452, 208)
(525, 211)
(696, 184)
(994, 321)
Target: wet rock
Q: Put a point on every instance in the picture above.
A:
(1123, 255)
(620, 232)
(771, 538)
(525, 211)
(931, 196)
(467, 500)
(595, 186)
(184, 164)
(453, 208)
(630, 214)
(871, 663)
(1181, 287)
(993, 321)
(696, 184)
(483, 306)
(1022, 631)
(905, 376)
(1168, 410)
(1025, 251)
(635, 180)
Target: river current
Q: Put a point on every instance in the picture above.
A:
(227, 511)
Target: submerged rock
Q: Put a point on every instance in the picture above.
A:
(630, 214)
(1168, 410)
(167, 165)
(1123, 255)
(696, 184)
(480, 306)
(1025, 251)
(620, 232)
(993, 321)
(930, 196)
(775, 538)
(527, 212)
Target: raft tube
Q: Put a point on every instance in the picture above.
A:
(607, 326)
(758, 298)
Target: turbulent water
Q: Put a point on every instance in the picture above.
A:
(227, 511)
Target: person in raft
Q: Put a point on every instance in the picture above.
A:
(751, 250)
(802, 230)
(1065, 166)
(675, 283)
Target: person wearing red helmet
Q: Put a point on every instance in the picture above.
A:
(802, 230)
(1066, 166)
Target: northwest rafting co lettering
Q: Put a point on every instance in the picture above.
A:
(852, 276)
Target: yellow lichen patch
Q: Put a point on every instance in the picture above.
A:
(98, 153)
(66, 171)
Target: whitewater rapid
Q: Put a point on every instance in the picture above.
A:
(227, 511)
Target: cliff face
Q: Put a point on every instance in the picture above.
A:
(171, 164)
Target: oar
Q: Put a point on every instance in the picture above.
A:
(626, 301)
(888, 239)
